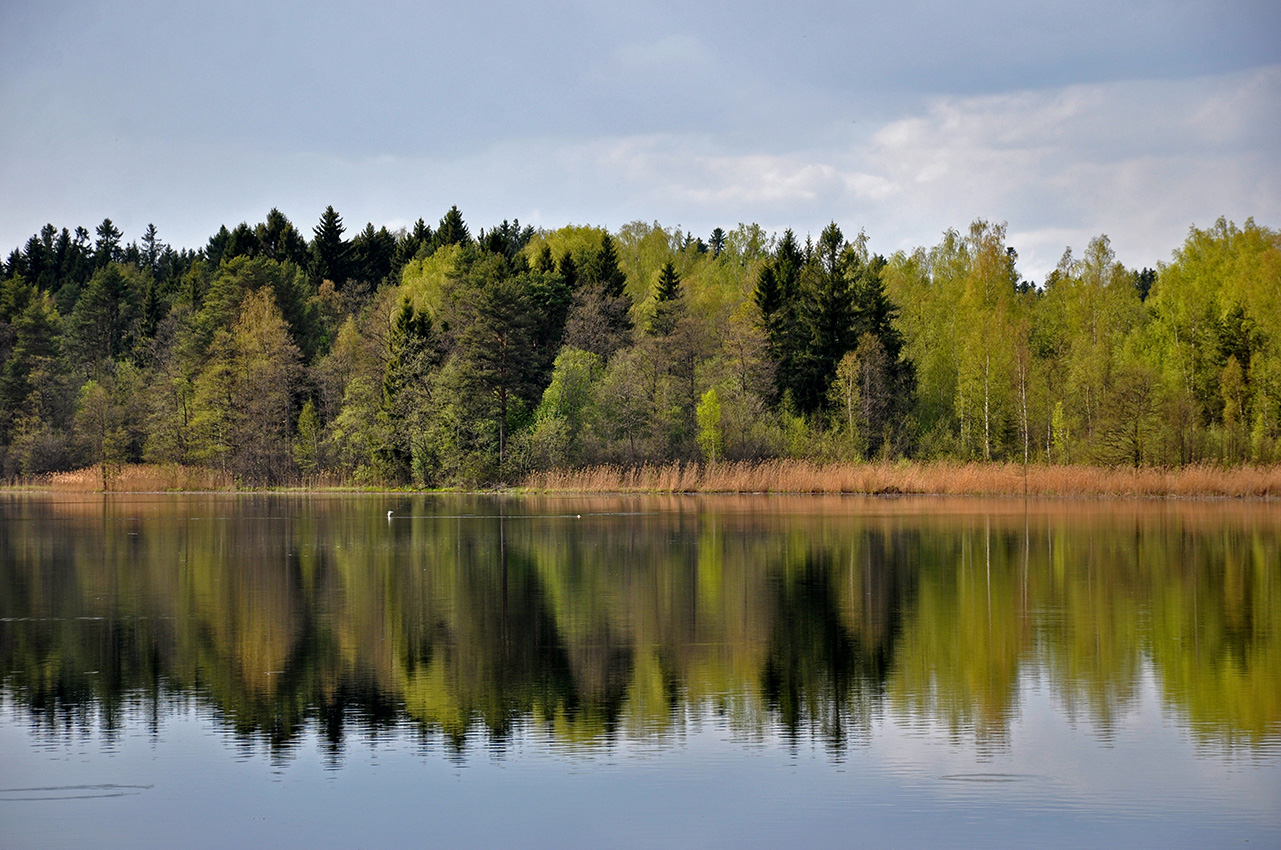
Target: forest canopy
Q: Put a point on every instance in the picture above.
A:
(436, 355)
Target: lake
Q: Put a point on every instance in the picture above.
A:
(253, 670)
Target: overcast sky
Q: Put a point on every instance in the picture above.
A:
(1132, 118)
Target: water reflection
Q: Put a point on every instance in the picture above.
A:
(590, 621)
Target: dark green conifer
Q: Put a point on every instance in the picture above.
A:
(603, 269)
(452, 230)
(329, 252)
(669, 283)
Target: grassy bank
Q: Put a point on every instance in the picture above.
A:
(779, 476)
(961, 479)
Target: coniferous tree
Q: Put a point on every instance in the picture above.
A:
(280, 240)
(569, 270)
(544, 262)
(452, 230)
(410, 356)
(603, 269)
(666, 297)
(827, 311)
(103, 322)
(218, 245)
(244, 243)
(107, 248)
(152, 249)
(777, 296)
(717, 242)
(372, 254)
(669, 283)
(498, 347)
(330, 253)
(417, 240)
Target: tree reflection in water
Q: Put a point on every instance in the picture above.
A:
(473, 619)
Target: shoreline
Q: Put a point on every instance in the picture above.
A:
(782, 477)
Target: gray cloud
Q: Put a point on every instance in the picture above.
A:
(1066, 120)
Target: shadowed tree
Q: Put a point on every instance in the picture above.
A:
(452, 230)
(107, 248)
(666, 297)
(103, 321)
(498, 346)
(330, 254)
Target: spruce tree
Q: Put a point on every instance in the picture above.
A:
(217, 245)
(329, 252)
(569, 270)
(717, 242)
(666, 297)
(107, 248)
(669, 283)
(603, 269)
(452, 230)
(372, 255)
(777, 296)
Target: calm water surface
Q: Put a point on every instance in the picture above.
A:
(213, 671)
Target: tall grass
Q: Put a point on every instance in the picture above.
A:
(776, 476)
(948, 478)
(137, 478)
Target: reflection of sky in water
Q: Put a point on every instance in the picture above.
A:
(909, 783)
(699, 673)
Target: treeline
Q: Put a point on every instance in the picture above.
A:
(432, 356)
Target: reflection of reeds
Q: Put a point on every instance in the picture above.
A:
(968, 479)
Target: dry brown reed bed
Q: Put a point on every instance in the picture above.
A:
(136, 478)
(959, 479)
(162, 478)
(778, 477)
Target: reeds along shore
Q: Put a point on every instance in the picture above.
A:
(779, 476)
(959, 479)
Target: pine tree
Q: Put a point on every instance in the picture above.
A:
(408, 246)
(102, 323)
(828, 314)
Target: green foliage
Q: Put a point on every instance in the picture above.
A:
(452, 230)
(242, 397)
(306, 445)
(429, 356)
(104, 322)
(711, 435)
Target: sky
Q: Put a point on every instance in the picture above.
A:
(1067, 120)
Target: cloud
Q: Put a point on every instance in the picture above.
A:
(1138, 160)
(676, 53)
(635, 119)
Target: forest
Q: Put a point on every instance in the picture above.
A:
(435, 356)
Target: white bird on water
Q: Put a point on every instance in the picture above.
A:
(388, 514)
